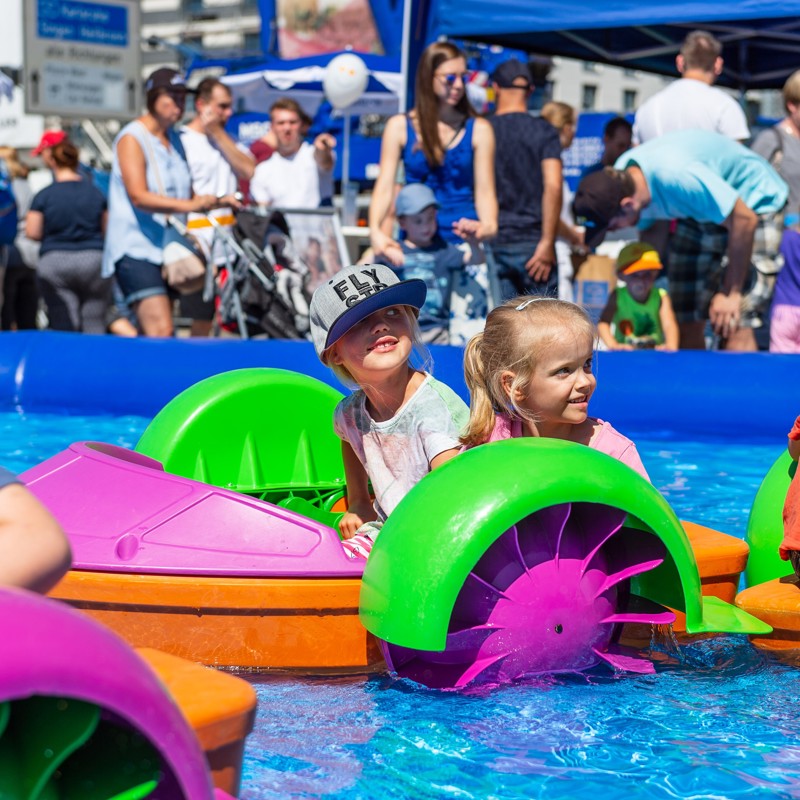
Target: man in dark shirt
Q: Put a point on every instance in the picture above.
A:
(529, 179)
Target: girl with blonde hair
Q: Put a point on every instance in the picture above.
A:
(530, 374)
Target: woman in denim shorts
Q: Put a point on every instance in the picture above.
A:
(149, 180)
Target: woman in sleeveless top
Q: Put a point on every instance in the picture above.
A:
(442, 144)
(150, 179)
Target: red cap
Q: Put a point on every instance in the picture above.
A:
(49, 139)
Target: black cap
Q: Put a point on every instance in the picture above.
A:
(165, 78)
(596, 203)
(505, 74)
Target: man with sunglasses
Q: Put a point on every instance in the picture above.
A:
(216, 162)
(528, 178)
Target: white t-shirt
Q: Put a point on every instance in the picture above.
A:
(292, 181)
(211, 174)
(689, 103)
(397, 453)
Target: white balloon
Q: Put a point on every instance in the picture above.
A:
(345, 79)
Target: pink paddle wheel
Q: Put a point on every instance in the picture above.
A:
(550, 595)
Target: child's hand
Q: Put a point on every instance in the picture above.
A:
(467, 228)
(388, 248)
(666, 348)
(349, 524)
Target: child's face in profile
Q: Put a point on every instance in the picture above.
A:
(420, 228)
(640, 284)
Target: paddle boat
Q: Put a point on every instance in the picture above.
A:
(84, 716)
(216, 539)
(772, 593)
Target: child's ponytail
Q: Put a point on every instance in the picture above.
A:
(481, 410)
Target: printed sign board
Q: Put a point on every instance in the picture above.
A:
(83, 58)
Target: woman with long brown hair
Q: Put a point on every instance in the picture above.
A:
(442, 144)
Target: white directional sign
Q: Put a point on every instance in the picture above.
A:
(83, 58)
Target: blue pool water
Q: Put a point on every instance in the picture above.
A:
(718, 720)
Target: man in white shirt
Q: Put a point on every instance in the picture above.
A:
(693, 101)
(298, 174)
(216, 162)
(696, 249)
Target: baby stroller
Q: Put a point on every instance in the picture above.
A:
(261, 288)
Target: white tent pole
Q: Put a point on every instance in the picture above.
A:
(404, 48)
(346, 151)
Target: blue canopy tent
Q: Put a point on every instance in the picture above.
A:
(761, 40)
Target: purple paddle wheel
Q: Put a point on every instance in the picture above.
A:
(550, 595)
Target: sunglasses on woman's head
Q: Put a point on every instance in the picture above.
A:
(451, 77)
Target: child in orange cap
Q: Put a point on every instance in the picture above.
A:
(637, 315)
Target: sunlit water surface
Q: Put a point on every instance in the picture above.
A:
(717, 720)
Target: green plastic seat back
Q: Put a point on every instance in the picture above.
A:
(251, 430)
(765, 524)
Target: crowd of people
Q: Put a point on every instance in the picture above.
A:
(476, 207)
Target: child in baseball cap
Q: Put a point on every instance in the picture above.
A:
(401, 422)
(427, 256)
(638, 315)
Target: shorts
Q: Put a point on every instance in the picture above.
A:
(697, 264)
(784, 329)
(696, 251)
(192, 306)
(138, 279)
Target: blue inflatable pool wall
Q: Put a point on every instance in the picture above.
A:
(745, 395)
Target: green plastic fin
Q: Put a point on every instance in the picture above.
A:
(765, 524)
(722, 617)
(116, 764)
(278, 432)
(302, 506)
(44, 732)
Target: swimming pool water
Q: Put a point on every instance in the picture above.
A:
(717, 720)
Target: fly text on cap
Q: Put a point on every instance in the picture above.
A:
(362, 288)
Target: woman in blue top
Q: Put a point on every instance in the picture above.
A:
(442, 144)
(69, 218)
(150, 180)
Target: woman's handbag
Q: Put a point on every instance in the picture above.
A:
(183, 264)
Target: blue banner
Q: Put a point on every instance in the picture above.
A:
(88, 23)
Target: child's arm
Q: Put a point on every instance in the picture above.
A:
(443, 458)
(34, 550)
(359, 503)
(669, 325)
(794, 440)
(604, 326)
